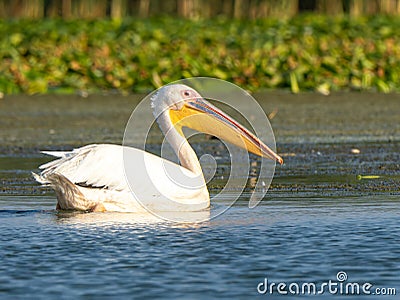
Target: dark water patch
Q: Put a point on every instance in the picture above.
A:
(18, 212)
(30, 123)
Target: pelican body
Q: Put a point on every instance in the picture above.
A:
(95, 177)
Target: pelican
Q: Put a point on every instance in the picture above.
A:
(93, 178)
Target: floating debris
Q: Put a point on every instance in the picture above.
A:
(273, 113)
(359, 177)
(288, 154)
(355, 151)
(316, 152)
(252, 182)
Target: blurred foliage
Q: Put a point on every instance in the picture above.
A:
(304, 53)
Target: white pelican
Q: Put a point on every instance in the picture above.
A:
(93, 177)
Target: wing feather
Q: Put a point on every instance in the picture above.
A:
(56, 153)
(94, 165)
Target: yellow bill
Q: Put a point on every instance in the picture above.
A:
(202, 116)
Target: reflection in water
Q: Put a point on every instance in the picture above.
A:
(179, 219)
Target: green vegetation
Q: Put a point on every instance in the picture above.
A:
(303, 53)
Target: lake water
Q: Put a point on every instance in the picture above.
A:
(328, 209)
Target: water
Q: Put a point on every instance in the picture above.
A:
(318, 219)
(51, 254)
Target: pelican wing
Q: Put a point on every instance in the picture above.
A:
(92, 165)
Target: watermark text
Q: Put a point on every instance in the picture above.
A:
(340, 286)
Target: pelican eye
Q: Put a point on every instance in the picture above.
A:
(187, 93)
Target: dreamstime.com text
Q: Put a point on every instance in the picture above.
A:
(341, 286)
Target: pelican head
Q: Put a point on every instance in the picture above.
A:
(177, 105)
(172, 97)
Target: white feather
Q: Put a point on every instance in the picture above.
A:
(56, 153)
(98, 171)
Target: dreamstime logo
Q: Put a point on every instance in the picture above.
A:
(160, 186)
(340, 286)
